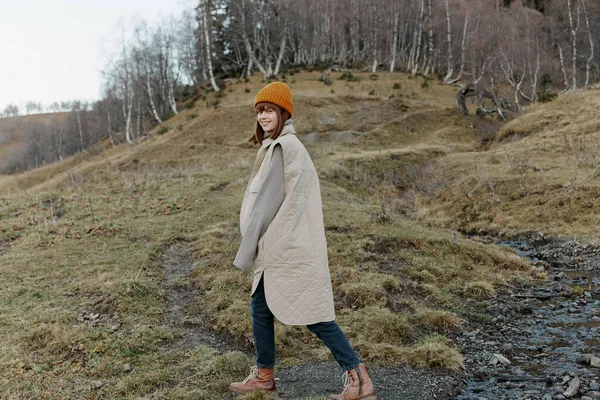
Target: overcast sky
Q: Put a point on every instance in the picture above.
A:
(54, 50)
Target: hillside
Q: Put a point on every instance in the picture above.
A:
(14, 133)
(124, 258)
(541, 173)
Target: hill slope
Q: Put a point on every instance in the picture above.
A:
(86, 287)
(541, 173)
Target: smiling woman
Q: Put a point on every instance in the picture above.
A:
(283, 242)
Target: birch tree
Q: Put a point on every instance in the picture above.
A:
(208, 55)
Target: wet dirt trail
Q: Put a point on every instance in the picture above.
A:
(546, 334)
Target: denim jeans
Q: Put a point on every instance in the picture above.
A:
(264, 335)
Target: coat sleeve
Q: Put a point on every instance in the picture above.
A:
(268, 200)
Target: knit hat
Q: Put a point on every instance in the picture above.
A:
(276, 93)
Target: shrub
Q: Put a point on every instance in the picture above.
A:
(347, 76)
(438, 320)
(547, 97)
(191, 116)
(380, 325)
(247, 90)
(190, 104)
(479, 290)
(373, 77)
(162, 130)
(396, 86)
(372, 92)
(434, 351)
(363, 294)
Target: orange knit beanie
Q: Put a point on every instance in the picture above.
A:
(276, 93)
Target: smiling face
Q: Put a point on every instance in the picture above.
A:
(268, 119)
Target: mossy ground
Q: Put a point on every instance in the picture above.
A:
(84, 237)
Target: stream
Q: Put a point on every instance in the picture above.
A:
(543, 338)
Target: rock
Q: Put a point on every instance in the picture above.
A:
(97, 384)
(526, 310)
(589, 360)
(573, 388)
(593, 394)
(584, 359)
(507, 348)
(502, 359)
(547, 397)
(586, 398)
(594, 385)
(127, 368)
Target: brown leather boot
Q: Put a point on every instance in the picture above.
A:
(357, 386)
(259, 379)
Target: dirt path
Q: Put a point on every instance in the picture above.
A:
(178, 262)
(300, 381)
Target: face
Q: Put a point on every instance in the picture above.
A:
(268, 119)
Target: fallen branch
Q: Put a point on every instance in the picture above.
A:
(518, 378)
(540, 296)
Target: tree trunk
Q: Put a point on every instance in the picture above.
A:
(172, 102)
(281, 53)
(354, 31)
(112, 142)
(80, 131)
(208, 50)
(430, 60)
(591, 40)
(249, 49)
(573, 27)
(150, 94)
(419, 36)
(562, 66)
(461, 98)
(449, 39)
(375, 36)
(395, 40)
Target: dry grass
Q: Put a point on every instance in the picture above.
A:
(85, 237)
(479, 290)
(541, 174)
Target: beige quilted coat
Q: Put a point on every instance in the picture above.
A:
(292, 254)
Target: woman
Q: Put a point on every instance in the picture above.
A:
(283, 241)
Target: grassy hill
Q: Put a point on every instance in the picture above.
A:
(84, 243)
(542, 173)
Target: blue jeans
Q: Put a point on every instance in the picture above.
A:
(264, 335)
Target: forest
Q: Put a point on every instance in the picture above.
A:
(504, 53)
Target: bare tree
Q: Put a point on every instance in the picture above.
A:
(208, 55)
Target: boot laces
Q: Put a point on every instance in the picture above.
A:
(347, 379)
(253, 374)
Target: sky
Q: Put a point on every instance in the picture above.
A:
(55, 50)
